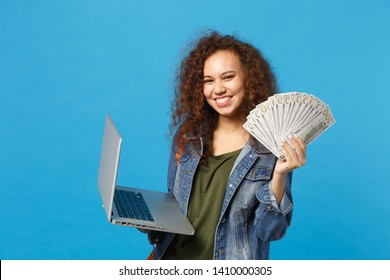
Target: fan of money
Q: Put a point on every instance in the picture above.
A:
(286, 114)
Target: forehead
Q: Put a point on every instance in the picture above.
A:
(222, 61)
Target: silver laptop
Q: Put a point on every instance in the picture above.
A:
(143, 209)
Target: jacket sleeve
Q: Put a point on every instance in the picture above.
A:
(272, 220)
(172, 166)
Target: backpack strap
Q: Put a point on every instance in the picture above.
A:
(151, 256)
(179, 154)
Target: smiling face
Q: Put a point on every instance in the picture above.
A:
(223, 83)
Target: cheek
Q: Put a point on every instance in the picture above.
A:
(239, 87)
(206, 91)
(241, 97)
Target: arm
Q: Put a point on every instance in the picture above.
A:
(271, 218)
(275, 209)
(172, 166)
(295, 157)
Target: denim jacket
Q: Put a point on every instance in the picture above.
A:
(250, 216)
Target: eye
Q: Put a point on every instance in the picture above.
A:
(207, 81)
(228, 77)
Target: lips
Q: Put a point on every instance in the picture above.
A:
(223, 100)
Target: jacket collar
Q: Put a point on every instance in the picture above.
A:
(257, 146)
(252, 142)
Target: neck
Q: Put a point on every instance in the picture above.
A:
(229, 136)
(230, 125)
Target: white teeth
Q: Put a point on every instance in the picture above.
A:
(222, 100)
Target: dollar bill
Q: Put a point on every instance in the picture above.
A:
(286, 114)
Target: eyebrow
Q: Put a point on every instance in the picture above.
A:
(224, 73)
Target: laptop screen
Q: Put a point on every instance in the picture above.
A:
(109, 161)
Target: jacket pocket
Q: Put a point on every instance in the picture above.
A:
(256, 178)
(258, 173)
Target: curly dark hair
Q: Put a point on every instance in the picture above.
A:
(192, 116)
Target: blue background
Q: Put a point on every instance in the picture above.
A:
(65, 64)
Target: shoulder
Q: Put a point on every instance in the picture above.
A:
(258, 147)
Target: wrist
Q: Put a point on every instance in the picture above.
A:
(279, 175)
(277, 185)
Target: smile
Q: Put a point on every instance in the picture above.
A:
(222, 100)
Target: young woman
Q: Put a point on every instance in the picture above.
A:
(236, 194)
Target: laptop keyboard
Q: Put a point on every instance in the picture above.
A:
(130, 204)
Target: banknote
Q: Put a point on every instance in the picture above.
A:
(286, 114)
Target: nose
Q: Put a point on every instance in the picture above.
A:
(219, 88)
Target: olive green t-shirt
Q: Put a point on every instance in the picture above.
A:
(205, 204)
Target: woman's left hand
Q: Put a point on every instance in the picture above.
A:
(294, 150)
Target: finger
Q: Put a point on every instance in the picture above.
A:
(300, 142)
(300, 149)
(295, 155)
(290, 162)
(288, 151)
(295, 147)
